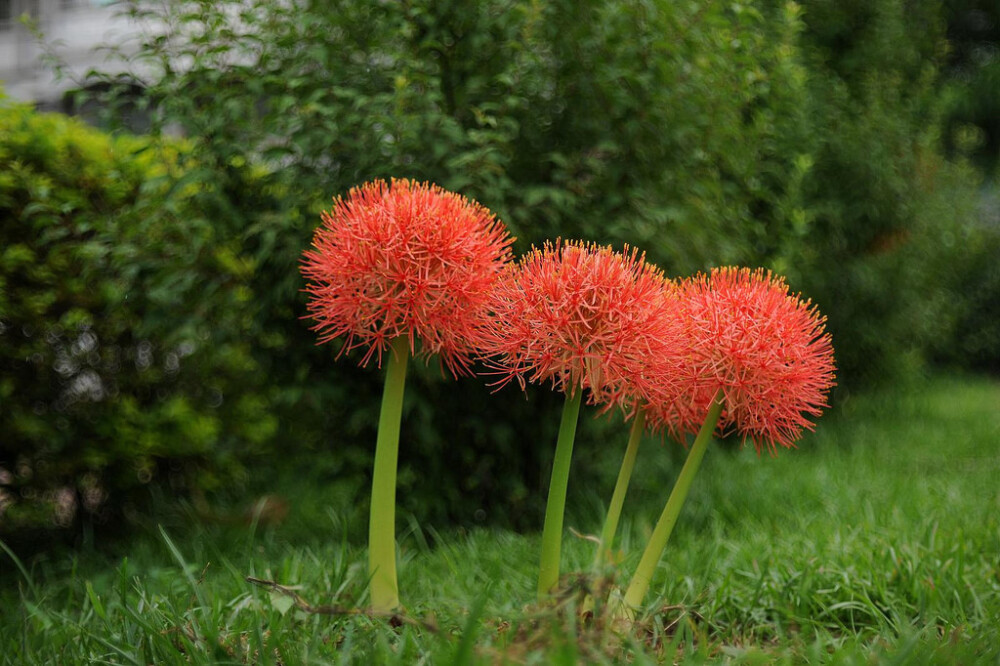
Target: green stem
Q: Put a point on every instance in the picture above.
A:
(555, 507)
(621, 487)
(382, 521)
(665, 525)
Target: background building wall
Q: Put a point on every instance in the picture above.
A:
(73, 28)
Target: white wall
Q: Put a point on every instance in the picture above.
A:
(74, 26)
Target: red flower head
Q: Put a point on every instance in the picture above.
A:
(580, 315)
(404, 258)
(764, 348)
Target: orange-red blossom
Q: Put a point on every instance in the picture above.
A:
(404, 259)
(582, 316)
(764, 348)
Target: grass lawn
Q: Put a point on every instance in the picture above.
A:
(877, 541)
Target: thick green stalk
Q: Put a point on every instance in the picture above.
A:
(665, 525)
(555, 506)
(382, 521)
(621, 487)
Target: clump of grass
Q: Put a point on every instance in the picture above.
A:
(876, 542)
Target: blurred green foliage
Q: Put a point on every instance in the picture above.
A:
(800, 137)
(121, 312)
(898, 240)
(973, 63)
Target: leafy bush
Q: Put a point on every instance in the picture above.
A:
(705, 133)
(972, 339)
(674, 128)
(973, 65)
(120, 327)
(886, 213)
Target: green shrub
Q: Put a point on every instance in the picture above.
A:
(120, 340)
(671, 127)
(705, 133)
(972, 339)
(973, 67)
(884, 208)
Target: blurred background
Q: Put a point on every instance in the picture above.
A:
(156, 195)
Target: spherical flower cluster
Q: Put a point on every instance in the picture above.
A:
(765, 349)
(583, 317)
(404, 259)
